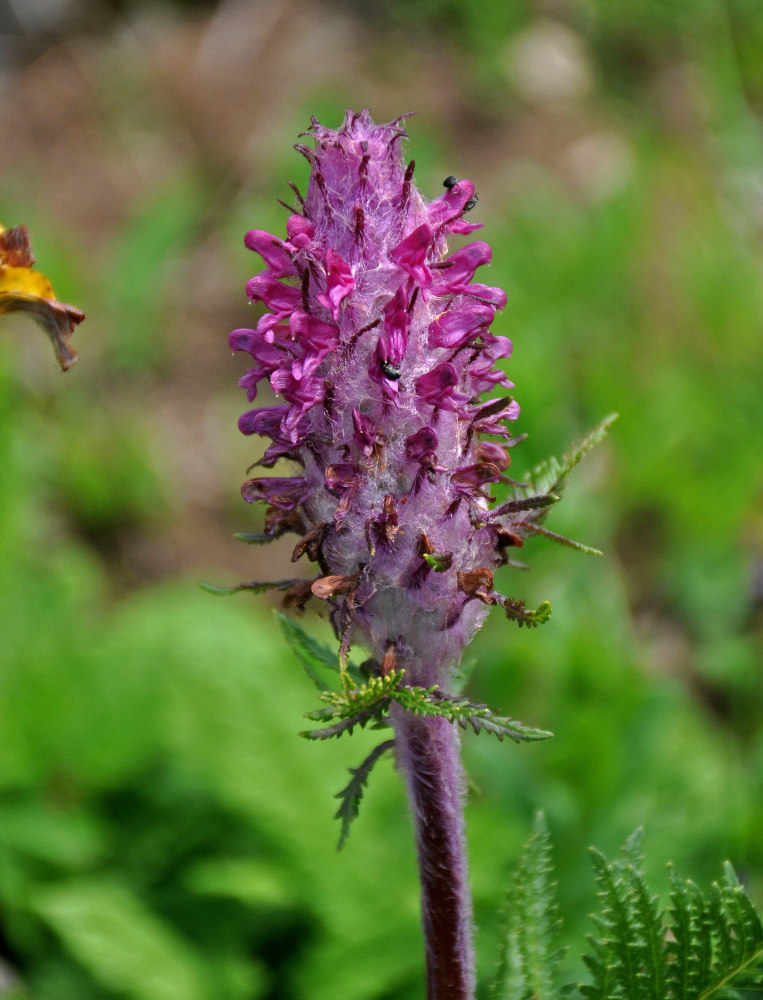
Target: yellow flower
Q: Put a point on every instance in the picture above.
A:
(23, 289)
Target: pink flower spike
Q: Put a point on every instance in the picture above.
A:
(339, 283)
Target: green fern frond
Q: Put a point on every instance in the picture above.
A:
(429, 701)
(352, 793)
(569, 543)
(517, 612)
(350, 700)
(313, 655)
(358, 706)
(528, 956)
(698, 950)
(256, 587)
(254, 537)
(353, 706)
(551, 475)
(345, 725)
(461, 674)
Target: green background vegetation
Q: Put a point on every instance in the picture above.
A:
(164, 834)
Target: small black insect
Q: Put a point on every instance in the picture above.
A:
(389, 371)
(450, 182)
(471, 202)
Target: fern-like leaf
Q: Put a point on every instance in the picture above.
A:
(254, 537)
(550, 477)
(313, 655)
(353, 706)
(699, 950)
(345, 725)
(352, 793)
(569, 543)
(528, 955)
(429, 701)
(517, 612)
(256, 587)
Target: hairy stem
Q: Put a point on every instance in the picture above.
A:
(429, 754)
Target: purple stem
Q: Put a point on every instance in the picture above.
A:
(428, 751)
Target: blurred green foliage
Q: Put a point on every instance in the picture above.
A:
(163, 832)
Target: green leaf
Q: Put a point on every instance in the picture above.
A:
(528, 956)
(255, 587)
(125, 946)
(429, 701)
(516, 611)
(352, 793)
(460, 676)
(550, 476)
(254, 537)
(345, 725)
(313, 655)
(698, 950)
(562, 539)
(439, 561)
(353, 706)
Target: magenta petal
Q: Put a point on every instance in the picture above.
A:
(422, 444)
(313, 331)
(438, 387)
(496, 347)
(489, 451)
(451, 204)
(477, 474)
(299, 229)
(462, 228)
(265, 421)
(397, 322)
(272, 250)
(266, 288)
(363, 432)
(495, 296)
(458, 270)
(339, 283)
(441, 379)
(341, 477)
(411, 254)
(285, 492)
(242, 339)
(460, 324)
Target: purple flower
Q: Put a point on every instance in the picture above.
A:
(379, 343)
